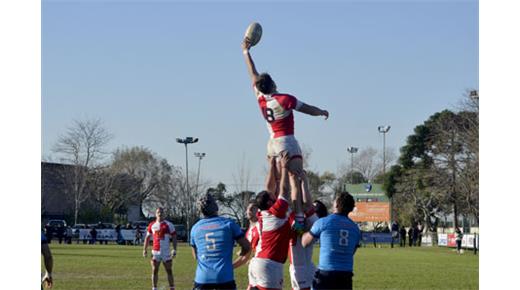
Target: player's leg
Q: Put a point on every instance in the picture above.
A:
(155, 272)
(169, 272)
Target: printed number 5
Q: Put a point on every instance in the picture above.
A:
(343, 238)
(212, 246)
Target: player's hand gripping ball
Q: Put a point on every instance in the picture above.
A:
(253, 33)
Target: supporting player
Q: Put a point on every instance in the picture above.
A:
(277, 109)
(212, 241)
(339, 238)
(302, 268)
(163, 232)
(252, 235)
(274, 226)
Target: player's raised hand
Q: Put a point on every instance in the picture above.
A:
(246, 44)
(284, 159)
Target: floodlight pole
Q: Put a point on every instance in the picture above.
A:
(186, 141)
(383, 130)
(200, 156)
(352, 150)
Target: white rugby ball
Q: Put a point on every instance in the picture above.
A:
(253, 33)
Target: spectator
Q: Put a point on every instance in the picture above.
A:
(138, 236)
(119, 236)
(458, 239)
(402, 242)
(415, 235)
(420, 229)
(410, 236)
(60, 230)
(93, 235)
(68, 235)
(395, 232)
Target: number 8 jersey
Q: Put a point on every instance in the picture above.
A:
(277, 111)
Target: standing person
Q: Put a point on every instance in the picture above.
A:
(402, 242)
(47, 262)
(277, 109)
(212, 240)
(275, 233)
(138, 235)
(415, 235)
(395, 232)
(162, 232)
(252, 235)
(93, 235)
(410, 236)
(339, 238)
(458, 238)
(419, 234)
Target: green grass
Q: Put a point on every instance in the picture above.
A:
(123, 267)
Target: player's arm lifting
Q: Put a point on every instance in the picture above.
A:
(307, 239)
(284, 190)
(271, 182)
(313, 111)
(251, 69)
(245, 250)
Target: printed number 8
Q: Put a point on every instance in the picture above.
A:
(343, 238)
(212, 246)
(269, 114)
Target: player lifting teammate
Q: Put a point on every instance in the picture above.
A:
(277, 109)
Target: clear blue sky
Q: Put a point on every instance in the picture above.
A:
(153, 71)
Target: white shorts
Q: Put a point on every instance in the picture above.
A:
(161, 256)
(284, 143)
(266, 273)
(302, 267)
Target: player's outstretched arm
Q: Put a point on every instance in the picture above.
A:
(313, 111)
(245, 252)
(251, 69)
(307, 199)
(271, 184)
(284, 189)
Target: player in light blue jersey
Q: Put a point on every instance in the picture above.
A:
(212, 241)
(339, 238)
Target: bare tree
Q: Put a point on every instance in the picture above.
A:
(83, 147)
(366, 162)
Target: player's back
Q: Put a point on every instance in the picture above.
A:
(213, 238)
(275, 232)
(339, 237)
(277, 111)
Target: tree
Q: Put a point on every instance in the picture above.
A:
(153, 175)
(82, 146)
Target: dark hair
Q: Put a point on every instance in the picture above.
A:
(262, 200)
(265, 84)
(320, 208)
(345, 203)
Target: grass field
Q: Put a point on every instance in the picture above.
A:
(123, 267)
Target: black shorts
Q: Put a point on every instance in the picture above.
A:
(221, 286)
(332, 280)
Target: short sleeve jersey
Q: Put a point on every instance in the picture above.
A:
(275, 232)
(339, 237)
(162, 233)
(214, 238)
(277, 110)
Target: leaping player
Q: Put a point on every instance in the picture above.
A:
(163, 232)
(277, 109)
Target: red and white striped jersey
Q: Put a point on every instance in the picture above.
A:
(277, 110)
(252, 235)
(275, 232)
(162, 233)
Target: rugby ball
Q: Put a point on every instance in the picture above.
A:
(253, 33)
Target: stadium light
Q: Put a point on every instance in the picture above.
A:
(384, 130)
(186, 141)
(474, 94)
(352, 150)
(200, 156)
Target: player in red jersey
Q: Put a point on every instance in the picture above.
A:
(163, 232)
(277, 109)
(275, 232)
(252, 235)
